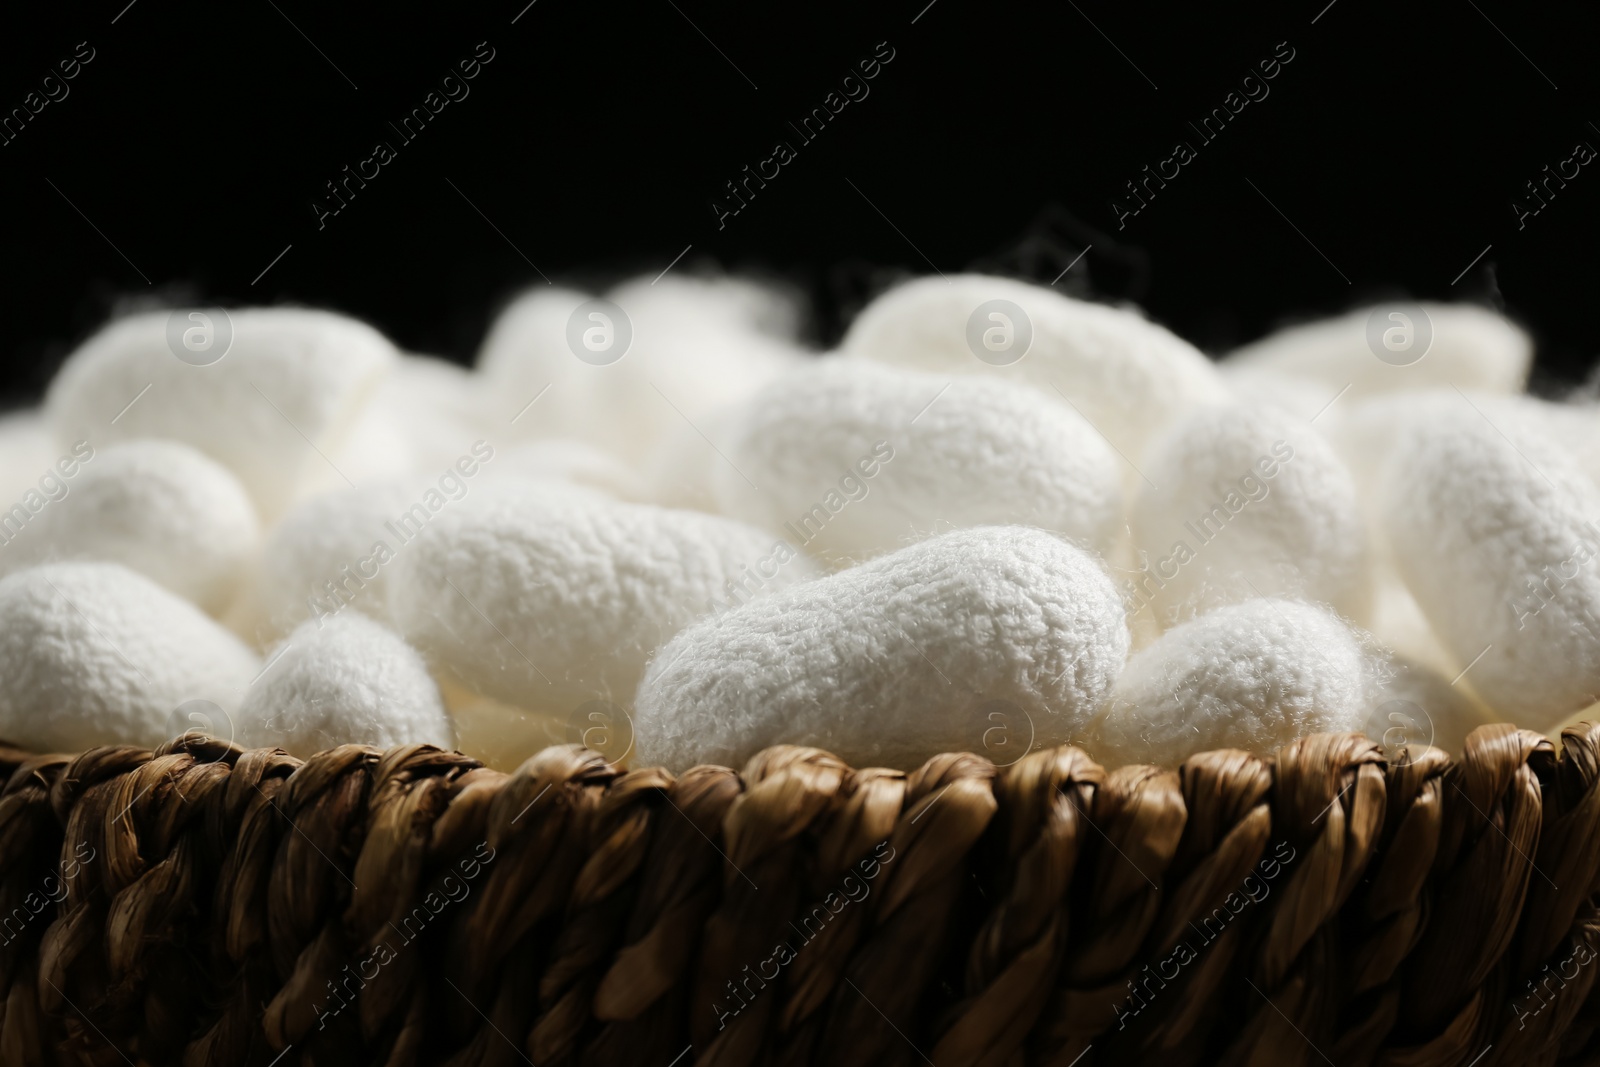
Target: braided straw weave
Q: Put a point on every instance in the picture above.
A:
(203, 904)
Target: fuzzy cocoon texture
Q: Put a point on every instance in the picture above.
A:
(544, 602)
(344, 681)
(1574, 425)
(335, 551)
(1242, 503)
(894, 661)
(1494, 529)
(1126, 375)
(696, 344)
(94, 654)
(1253, 676)
(290, 385)
(1472, 348)
(159, 507)
(1371, 429)
(854, 459)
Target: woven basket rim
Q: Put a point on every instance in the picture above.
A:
(202, 903)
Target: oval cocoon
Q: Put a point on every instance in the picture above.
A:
(1471, 348)
(854, 459)
(1244, 503)
(1493, 528)
(94, 654)
(895, 660)
(691, 345)
(544, 602)
(1371, 430)
(289, 386)
(335, 551)
(424, 415)
(1126, 375)
(330, 552)
(1253, 676)
(158, 507)
(347, 680)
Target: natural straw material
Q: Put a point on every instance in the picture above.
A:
(208, 905)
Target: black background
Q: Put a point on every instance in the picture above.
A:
(189, 151)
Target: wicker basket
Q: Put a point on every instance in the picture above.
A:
(209, 905)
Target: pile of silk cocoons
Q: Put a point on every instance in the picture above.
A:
(651, 520)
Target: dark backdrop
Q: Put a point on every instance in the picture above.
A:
(186, 155)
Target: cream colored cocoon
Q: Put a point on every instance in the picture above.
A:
(1242, 503)
(424, 414)
(95, 654)
(1471, 348)
(289, 387)
(525, 355)
(696, 344)
(563, 459)
(896, 660)
(1306, 399)
(336, 551)
(1126, 375)
(159, 507)
(536, 386)
(28, 452)
(681, 471)
(1574, 425)
(1412, 705)
(690, 303)
(330, 552)
(854, 459)
(346, 680)
(543, 602)
(1253, 676)
(1370, 431)
(1493, 528)
(1398, 623)
(1368, 436)
(1364, 432)
(1368, 428)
